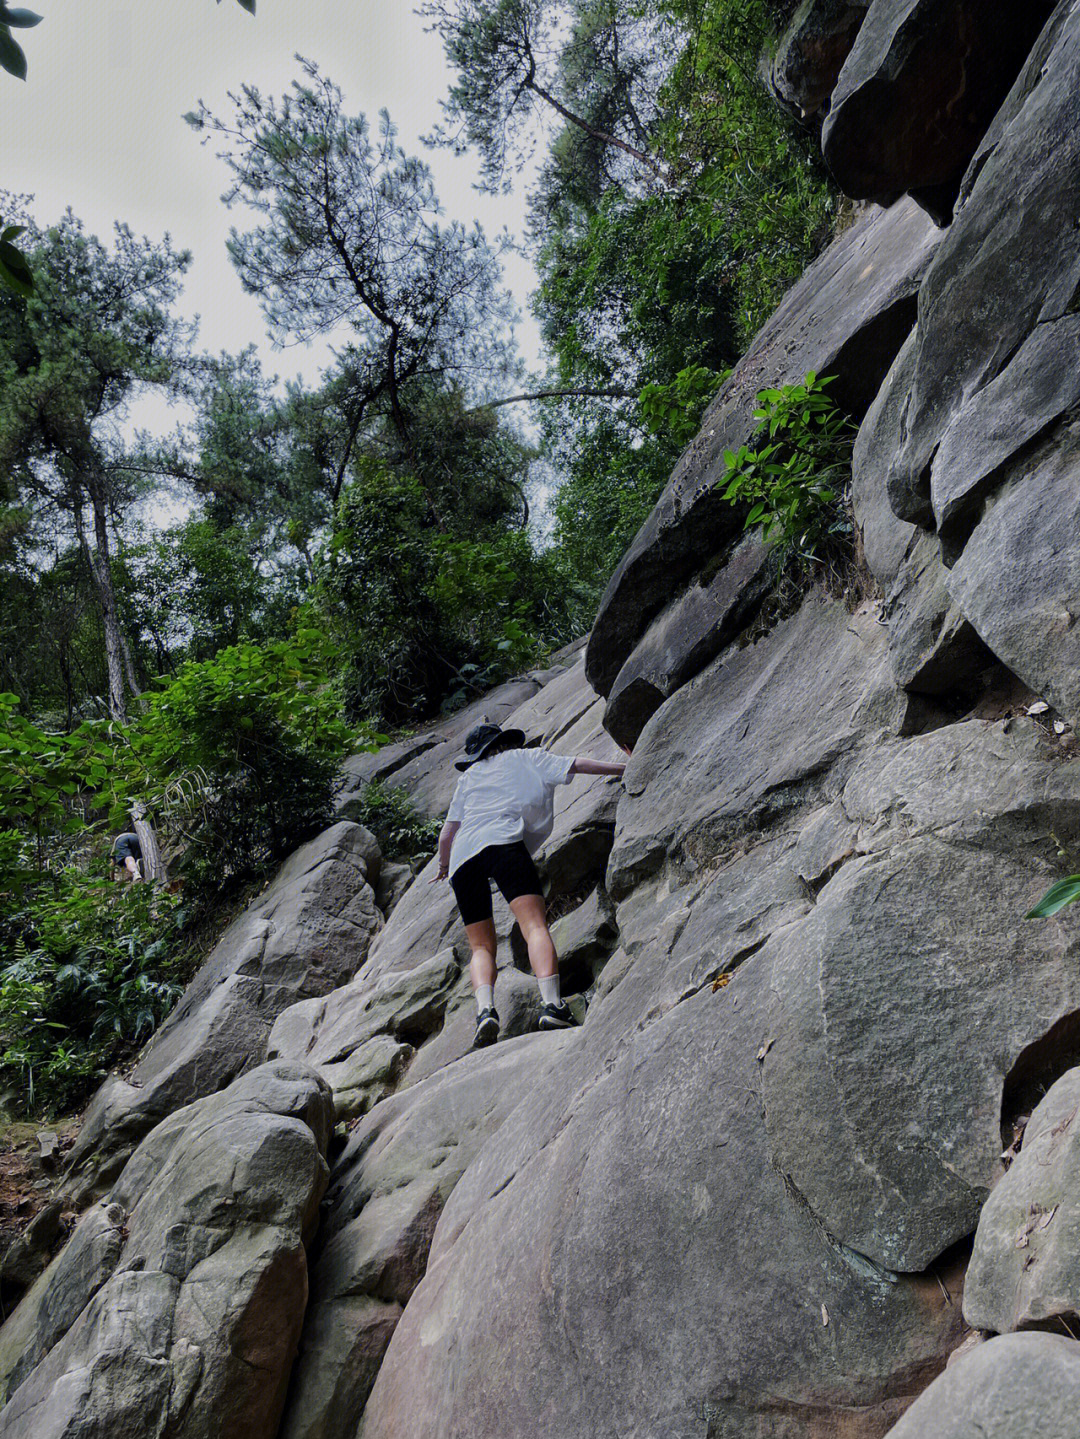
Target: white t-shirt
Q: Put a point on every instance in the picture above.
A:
(507, 798)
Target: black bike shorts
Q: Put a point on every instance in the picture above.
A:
(509, 865)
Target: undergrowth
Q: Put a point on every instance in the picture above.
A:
(388, 812)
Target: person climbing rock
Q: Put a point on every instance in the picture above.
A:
(127, 857)
(502, 811)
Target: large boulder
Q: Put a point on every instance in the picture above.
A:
(388, 1190)
(305, 935)
(848, 316)
(688, 633)
(1021, 1386)
(919, 88)
(1025, 1267)
(1018, 578)
(623, 1257)
(811, 51)
(176, 1306)
(987, 447)
(1007, 267)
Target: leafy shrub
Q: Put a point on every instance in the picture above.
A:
(797, 481)
(393, 819)
(260, 727)
(91, 968)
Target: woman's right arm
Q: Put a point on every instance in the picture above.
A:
(446, 840)
(597, 766)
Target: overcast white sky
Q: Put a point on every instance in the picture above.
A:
(97, 126)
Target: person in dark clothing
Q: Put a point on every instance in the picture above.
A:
(127, 857)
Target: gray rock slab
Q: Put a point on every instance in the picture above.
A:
(1037, 386)
(690, 632)
(304, 936)
(1018, 578)
(388, 1191)
(1025, 1267)
(812, 50)
(755, 733)
(848, 315)
(886, 538)
(1019, 1386)
(1009, 262)
(583, 940)
(65, 1288)
(918, 89)
(933, 647)
(361, 1037)
(184, 1295)
(655, 1275)
(898, 1012)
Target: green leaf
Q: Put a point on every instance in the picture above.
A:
(15, 273)
(1066, 891)
(12, 58)
(19, 19)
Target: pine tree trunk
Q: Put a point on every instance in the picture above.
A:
(98, 560)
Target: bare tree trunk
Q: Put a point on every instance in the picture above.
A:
(129, 667)
(98, 560)
(152, 866)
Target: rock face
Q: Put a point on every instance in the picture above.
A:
(388, 1191)
(307, 934)
(988, 448)
(847, 316)
(919, 88)
(176, 1307)
(765, 982)
(739, 1200)
(1025, 1268)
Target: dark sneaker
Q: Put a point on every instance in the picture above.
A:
(487, 1029)
(556, 1016)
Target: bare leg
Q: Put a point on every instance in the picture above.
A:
(132, 867)
(531, 915)
(484, 945)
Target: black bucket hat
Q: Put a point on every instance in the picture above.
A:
(480, 739)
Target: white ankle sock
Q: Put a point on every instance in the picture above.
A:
(550, 992)
(485, 997)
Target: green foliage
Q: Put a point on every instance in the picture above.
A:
(260, 726)
(676, 409)
(1064, 892)
(92, 967)
(12, 58)
(796, 482)
(15, 273)
(754, 177)
(651, 274)
(421, 611)
(393, 819)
